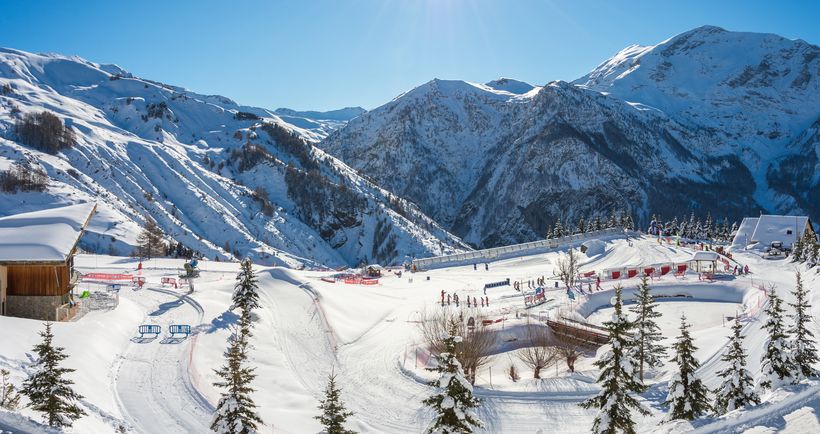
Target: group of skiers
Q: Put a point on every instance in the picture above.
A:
(486, 267)
(740, 269)
(531, 284)
(454, 299)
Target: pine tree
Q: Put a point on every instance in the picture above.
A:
(737, 389)
(708, 227)
(9, 397)
(675, 226)
(47, 388)
(618, 378)
(246, 291)
(454, 401)
(558, 231)
(797, 250)
(334, 414)
(236, 412)
(582, 227)
(598, 224)
(688, 397)
(805, 352)
(150, 241)
(648, 351)
(778, 364)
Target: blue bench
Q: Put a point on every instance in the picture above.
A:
(150, 329)
(182, 329)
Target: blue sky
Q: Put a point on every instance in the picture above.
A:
(334, 53)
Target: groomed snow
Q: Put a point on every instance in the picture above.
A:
(368, 335)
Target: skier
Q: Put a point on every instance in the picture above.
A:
(598, 283)
(475, 301)
(442, 297)
(468, 301)
(482, 301)
(488, 301)
(589, 287)
(746, 270)
(475, 267)
(448, 299)
(455, 299)
(486, 267)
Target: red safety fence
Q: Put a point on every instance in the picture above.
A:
(329, 280)
(648, 271)
(353, 281)
(631, 272)
(106, 276)
(616, 274)
(168, 280)
(370, 281)
(665, 269)
(589, 274)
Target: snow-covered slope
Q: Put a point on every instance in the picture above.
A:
(707, 121)
(218, 177)
(756, 93)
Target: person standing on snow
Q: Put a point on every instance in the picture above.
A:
(442, 297)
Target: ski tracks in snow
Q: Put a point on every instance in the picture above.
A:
(153, 386)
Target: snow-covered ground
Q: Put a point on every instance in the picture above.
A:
(369, 336)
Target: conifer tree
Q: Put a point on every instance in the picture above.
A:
(334, 414)
(236, 412)
(598, 224)
(150, 240)
(582, 227)
(648, 350)
(737, 389)
(9, 397)
(803, 345)
(797, 250)
(454, 401)
(558, 231)
(246, 290)
(618, 379)
(778, 364)
(688, 397)
(48, 389)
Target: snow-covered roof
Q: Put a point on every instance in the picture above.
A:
(705, 256)
(43, 236)
(784, 228)
(743, 236)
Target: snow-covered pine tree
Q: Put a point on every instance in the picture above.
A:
(246, 290)
(598, 224)
(690, 226)
(675, 229)
(796, 254)
(454, 401)
(648, 350)
(558, 230)
(236, 412)
(549, 232)
(582, 226)
(630, 224)
(737, 389)
(814, 255)
(688, 397)
(334, 414)
(708, 227)
(48, 389)
(778, 364)
(150, 240)
(803, 345)
(618, 378)
(733, 232)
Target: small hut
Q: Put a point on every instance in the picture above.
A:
(373, 270)
(37, 261)
(704, 262)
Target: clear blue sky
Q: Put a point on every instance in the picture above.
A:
(329, 54)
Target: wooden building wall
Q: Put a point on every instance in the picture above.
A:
(38, 280)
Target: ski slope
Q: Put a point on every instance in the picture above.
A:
(368, 335)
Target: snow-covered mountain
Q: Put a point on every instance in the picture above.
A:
(709, 120)
(218, 177)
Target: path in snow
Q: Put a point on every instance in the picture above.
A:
(153, 383)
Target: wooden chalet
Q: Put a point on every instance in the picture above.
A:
(37, 261)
